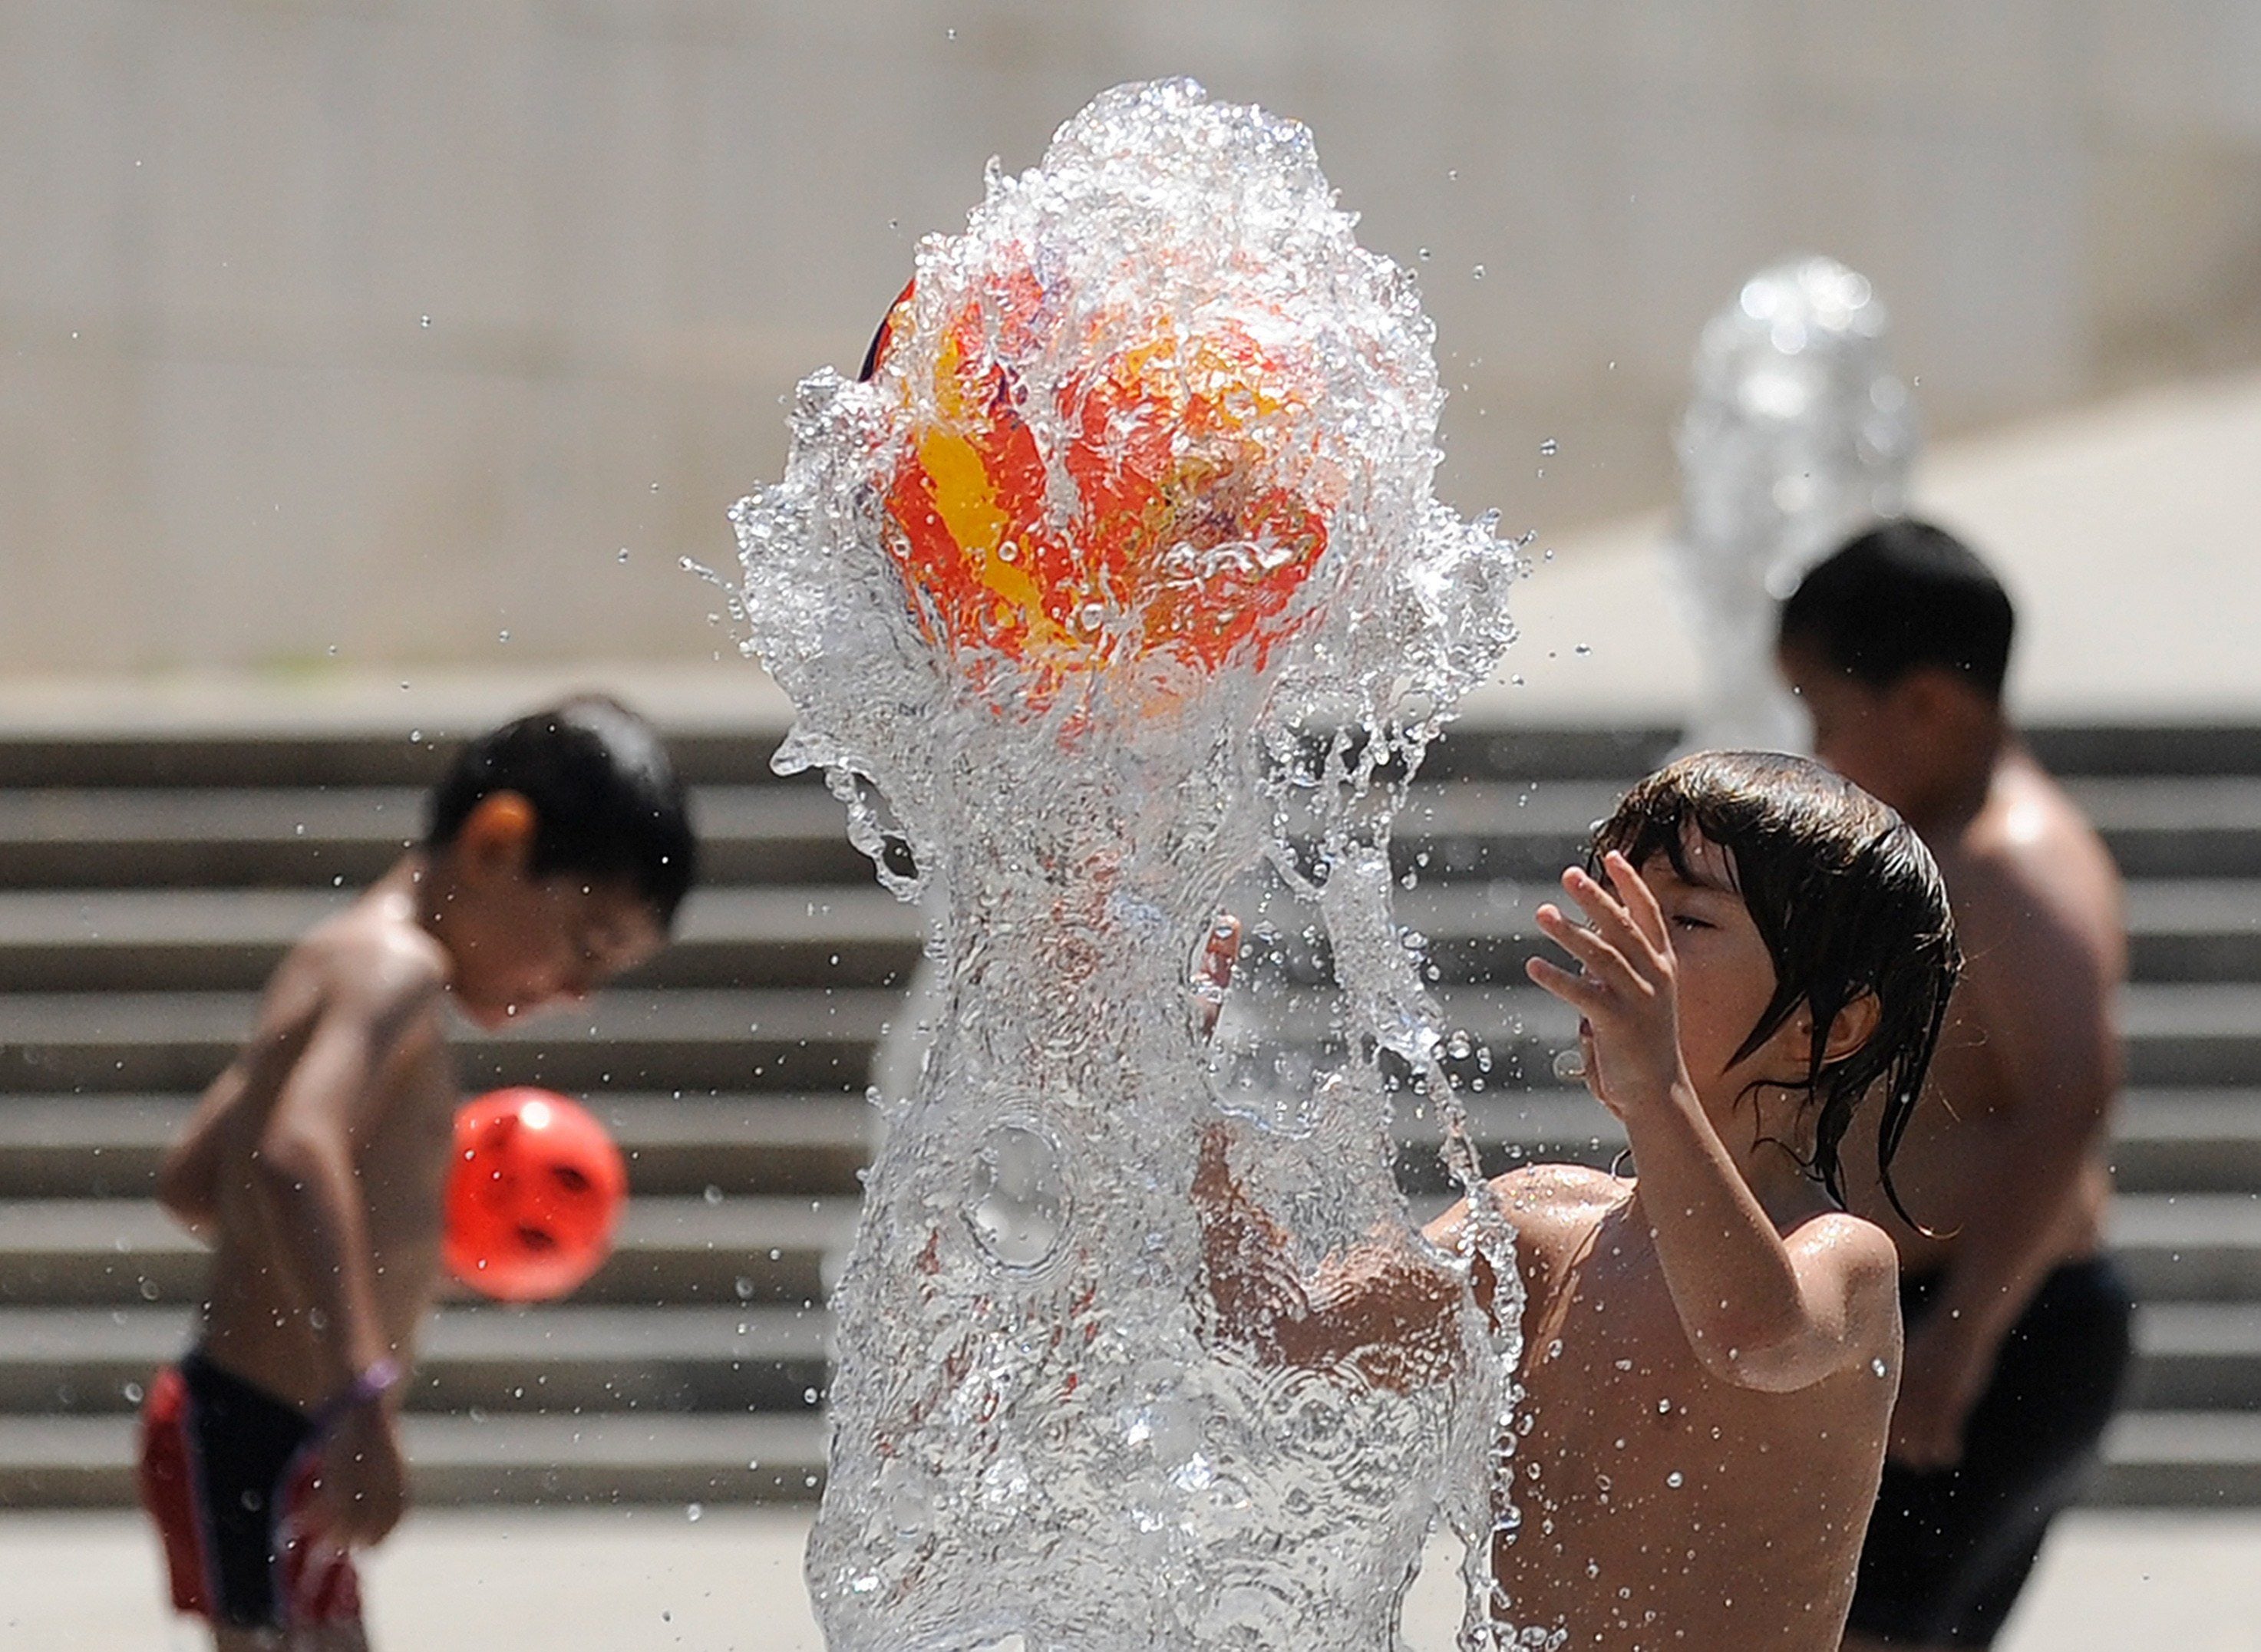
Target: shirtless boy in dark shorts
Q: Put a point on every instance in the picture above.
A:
(558, 853)
(2018, 1325)
(1710, 1346)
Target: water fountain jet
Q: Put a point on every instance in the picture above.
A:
(1117, 573)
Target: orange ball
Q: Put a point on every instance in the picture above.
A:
(534, 1198)
(1169, 501)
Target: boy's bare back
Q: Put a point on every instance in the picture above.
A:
(1660, 1505)
(349, 1046)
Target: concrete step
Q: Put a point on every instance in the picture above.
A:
(117, 1253)
(71, 1146)
(155, 939)
(575, 1356)
(555, 1357)
(776, 833)
(141, 837)
(2189, 1247)
(2152, 1459)
(2198, 1356)
(317, 755)
(2196, 1140)
(2177, 825)
(2192, 1033)
(2180, 1459)
(2179, 929)
(2178, 1035)
(78, 1147)
(71, 1461)
(1477, 930)
(803, 1039)
(2194, 929)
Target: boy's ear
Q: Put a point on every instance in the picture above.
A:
(1855, 1026)
(498, 835)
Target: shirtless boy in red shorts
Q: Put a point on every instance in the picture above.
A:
(558, 853)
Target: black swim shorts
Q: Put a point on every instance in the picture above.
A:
(1948, 1549)
(227, 1473)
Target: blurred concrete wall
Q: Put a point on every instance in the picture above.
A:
(385, 326)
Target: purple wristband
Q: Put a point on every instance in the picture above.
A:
(372, 1382)
(376, 1379)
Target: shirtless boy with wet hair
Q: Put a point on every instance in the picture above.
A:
(2018, 1325)
(1711, 1344)
(557, 851)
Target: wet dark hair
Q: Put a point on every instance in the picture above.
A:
(607, 802)
(1904, 594)
(1848, 900)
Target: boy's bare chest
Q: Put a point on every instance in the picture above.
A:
(1609, 1373)
(405, 1152)
(1649, 1492)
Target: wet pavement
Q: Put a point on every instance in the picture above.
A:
(730, 1581)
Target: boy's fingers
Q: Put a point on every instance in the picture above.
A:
(1582, 993)
(1605, 963)
(1609, 914)
(1641, 903)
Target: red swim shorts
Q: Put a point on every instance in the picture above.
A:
(227, 1473)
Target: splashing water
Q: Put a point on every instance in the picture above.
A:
(1118, 574)
(1798, 434)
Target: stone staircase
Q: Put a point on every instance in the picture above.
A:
(147, 884)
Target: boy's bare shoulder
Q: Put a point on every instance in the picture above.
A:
(370, 957)
(1555, 1204)
(2031, 848)
(1863, 1252)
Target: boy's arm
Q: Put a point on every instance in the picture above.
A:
(1759, 1311)
(1384, 1307)
(188, 1177)
(307, 1169)
(2044, 995)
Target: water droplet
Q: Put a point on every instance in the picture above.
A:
(1017, 1202)
(1673, 1479)
(1879, 1368)
(1582, 649)
(1570, 1064)
(623, 557)
(713, 1195)
(692, 1511)
(502, 636)
(1549, 448)
(1479, 272)
(425, 321)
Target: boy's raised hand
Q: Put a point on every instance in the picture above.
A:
(1626, 987)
